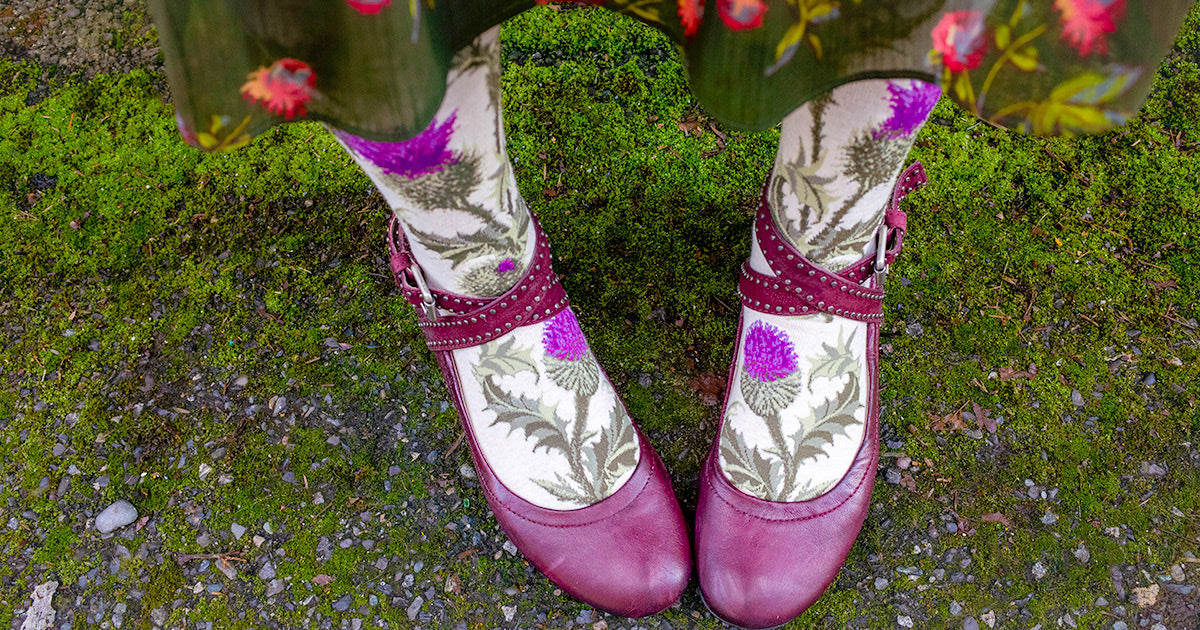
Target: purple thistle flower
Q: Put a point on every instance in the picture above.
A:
(563, 339)
(506, 266)
(769, 353)
(911, 103)
(424, 153)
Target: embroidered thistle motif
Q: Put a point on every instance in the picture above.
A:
(425, 153)
(283, 89)
(594, 459)
(770, 377)
(506, 266)
(772, 471)
(911, 103)
(769, 353)
(569, 362)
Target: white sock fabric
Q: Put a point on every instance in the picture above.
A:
(795, 416)
(546, 417)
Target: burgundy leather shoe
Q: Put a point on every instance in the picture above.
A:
(762, 563)
(627, 554)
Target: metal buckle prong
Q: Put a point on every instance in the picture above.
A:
(427, 302)
(881, 266)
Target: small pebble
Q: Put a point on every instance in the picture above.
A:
(267, 572)
(415, 607)
(238, 531)
(970, 624)
(880, 583)
(1039, 570)
(344, 603)
(955, 609)
(904, 621)
(115, 516)
(509, 612)
(1077, 398)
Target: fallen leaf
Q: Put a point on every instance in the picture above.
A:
(466, 554)
(1146, 595)
(995, 517)
(452, 585)
(948, 422)
(710, 387)
(1007, 374)
(906, 480)
(691, 127)
(321, 579)
(1166, 284)
(982, 419)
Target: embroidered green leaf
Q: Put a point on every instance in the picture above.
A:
(564, 490)
(615, 453)
(504, 359)
(833, 418)
(461, 248)
(837, 361)
(748, 470)
(532, 417)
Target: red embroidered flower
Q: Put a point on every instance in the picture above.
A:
(368, 7)
(690, 12)
(282, 89)
(1086, 22)
(740, 15)
(960, 39)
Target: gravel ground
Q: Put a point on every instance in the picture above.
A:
(77, 37)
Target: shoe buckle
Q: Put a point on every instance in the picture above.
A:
(881, 266)
(427, 303)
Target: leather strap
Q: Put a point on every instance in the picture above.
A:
(800, 286)
(452, 322)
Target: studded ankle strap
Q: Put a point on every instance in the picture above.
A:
(801, 287)
(452, 322)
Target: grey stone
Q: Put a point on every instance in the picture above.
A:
(509, 612)
(324, 549)
(158, 616)
(1049, 518)
(1082, 554)
(238, 531)
(1039, 570)
(955, 609)
(1120, 625)
(970, 624)
(904, 621)
(415, 607)
(115, 516)
(1150, 469)
(880, 583)
(267, 572)
(204, 540)
(275, 587)
(509, 547)
(1182, 589)
(343, 604)
(1077, 398)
